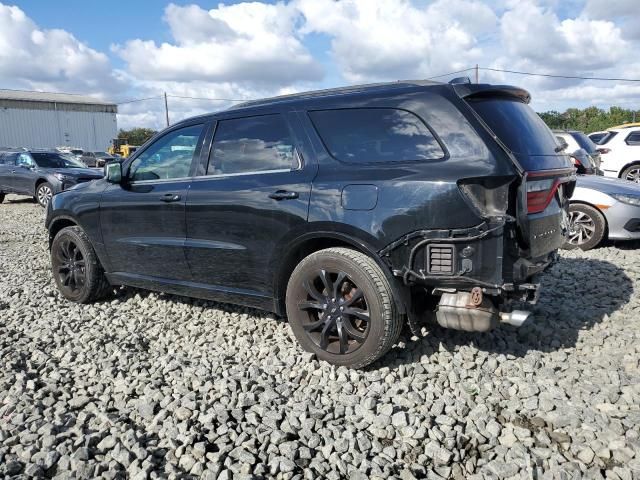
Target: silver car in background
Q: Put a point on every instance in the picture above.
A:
(603, 208)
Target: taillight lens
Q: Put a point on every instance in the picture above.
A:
(575, 161)
(540, 193)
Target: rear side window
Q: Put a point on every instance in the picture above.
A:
(375, 135)
(516, 125)
(251, 144)
(8, 158)
(633, 138)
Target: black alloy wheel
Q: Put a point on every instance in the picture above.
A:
(338, 315)
(340, 307)
(70, 266)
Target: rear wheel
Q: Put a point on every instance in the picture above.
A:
(76, 268)
(340, 307)
(632, 173)
(587, 227)
(44, 192)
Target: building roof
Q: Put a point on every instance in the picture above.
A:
(32, 96)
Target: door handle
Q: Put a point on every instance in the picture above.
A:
(170, 197)
(283, 195)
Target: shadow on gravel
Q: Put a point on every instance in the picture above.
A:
(20, 200)
(577, 293)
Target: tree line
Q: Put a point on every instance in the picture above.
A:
(591, 119)
(137, 136)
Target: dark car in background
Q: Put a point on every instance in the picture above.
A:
(577, 140)
(96, 159)
(40, 173)
(349, 210)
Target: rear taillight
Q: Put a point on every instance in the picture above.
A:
(540, 193)
(576, 161)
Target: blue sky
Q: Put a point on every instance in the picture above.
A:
(122, 50)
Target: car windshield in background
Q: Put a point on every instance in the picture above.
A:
(585, 142)
(55, 160)
(517, 125)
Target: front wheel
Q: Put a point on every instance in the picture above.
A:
(632, 173)
(587, 227)
(340, 307)
(44, 192)
(76, 268)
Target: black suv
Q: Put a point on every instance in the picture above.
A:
(350, 210)
(40, 173)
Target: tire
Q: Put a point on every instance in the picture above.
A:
(587, 227)
(340, 307)
(44, 192)
(75, 266)
(632, 173)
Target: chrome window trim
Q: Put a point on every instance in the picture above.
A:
(242, 174)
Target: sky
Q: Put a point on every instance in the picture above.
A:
(223, 52)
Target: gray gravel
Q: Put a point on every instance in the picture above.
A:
(149, 385)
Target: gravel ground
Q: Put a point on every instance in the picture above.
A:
(148, 385)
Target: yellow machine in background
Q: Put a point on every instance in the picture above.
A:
(121, 147)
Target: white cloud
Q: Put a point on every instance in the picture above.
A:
(35, 58)
(251, 43)
(391, 39)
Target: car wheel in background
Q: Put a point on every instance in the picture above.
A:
(340, 307)
(587, 227)
(44, 192)
(76, 268)
(632, 173)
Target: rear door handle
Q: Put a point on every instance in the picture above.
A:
(170, 197)
(283, 195)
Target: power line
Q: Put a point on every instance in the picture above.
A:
(210, 98)
(450, 73)
(561, 76)
(138, 100)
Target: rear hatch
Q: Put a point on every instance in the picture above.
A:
(547, 174)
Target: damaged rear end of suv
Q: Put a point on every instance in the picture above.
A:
(506, 223)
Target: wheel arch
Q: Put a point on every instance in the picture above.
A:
(596, 207)
(57, 224)
(630, 164)
(309, 243)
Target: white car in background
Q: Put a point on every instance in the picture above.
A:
(620, 153)
(603, 208)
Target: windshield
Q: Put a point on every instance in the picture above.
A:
(516, 125)
(55, 160)
(585, 142)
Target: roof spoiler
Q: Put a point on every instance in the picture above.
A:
(483, 90)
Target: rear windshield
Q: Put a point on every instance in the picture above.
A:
(607, 138)
(516, 125)
(584, 142)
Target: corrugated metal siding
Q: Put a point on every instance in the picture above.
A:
(90, 131)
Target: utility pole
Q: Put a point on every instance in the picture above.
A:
(477, 74)
(166, 108)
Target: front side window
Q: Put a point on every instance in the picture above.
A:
(168, 157)
(633, 138)
(375, 135)
(251, 144)
(24, 160)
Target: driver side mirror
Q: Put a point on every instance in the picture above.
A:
(113, 172)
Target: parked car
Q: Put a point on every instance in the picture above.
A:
(579, 141)
(584, 163)
(621, 158)
(40, 173)
(96, 159)
(350, 210)
(74, 152)
(603, 208)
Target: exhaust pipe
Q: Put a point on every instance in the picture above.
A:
(515, 317)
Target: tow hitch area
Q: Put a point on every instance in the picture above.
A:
(474, 312)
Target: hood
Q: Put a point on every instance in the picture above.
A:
(608, 185)
(76, 172)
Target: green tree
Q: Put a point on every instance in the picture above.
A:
(137, 136)
(590, 119)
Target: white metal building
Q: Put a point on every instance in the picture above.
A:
(48, 120)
